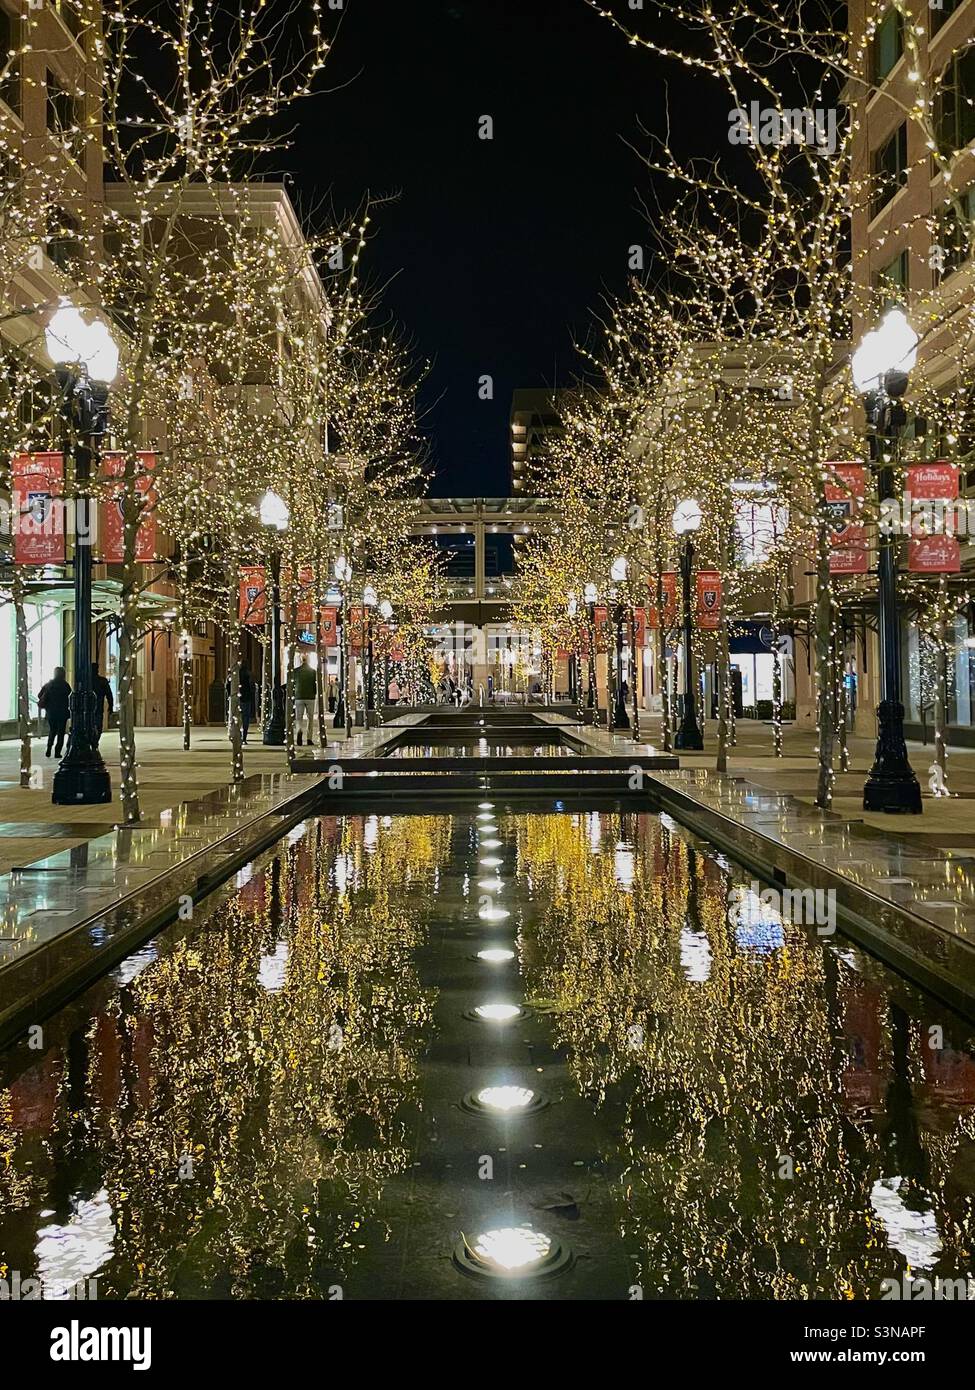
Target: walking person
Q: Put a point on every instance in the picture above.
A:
(246, 695)
(306, 691)
(102, 692)
(54, 701)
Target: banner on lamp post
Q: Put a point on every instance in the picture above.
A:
(844, 492)
(849, 552)
(112, 532)
(252, 605)
(38, 515)
(708, 599)
(330, 626)
(669, 586)
(938, 554)
(933, 482)
(304, 597)
(640, 627)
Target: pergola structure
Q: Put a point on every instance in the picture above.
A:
(482, 599)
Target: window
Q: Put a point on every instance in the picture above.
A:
(69, 13)
(891, 282)
(942, 10)
(889, 168)
(65, 116)
(955, 236)
(10, 79)
(64, 241)
(955, 106)
(888, 44)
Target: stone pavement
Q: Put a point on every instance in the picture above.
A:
(31, 827)
(946, 822)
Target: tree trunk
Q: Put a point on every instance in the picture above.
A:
(186, 690)
(666, 733)
(128, 637)
(776, 689)
(234, 727)
(725, 695)
(824, 667)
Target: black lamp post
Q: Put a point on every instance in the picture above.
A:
(86, 362)
(275, 516)
(881, 369)
(686, 520)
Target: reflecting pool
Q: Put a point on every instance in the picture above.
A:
(494, 746)
(508, 1033)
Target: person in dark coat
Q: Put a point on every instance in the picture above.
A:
(247, 694)
(102, 692)
(54, 701)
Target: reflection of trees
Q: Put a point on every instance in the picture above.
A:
(290, 1092)
(734, 1070)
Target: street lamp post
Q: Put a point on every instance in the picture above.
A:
(881, 369)
(85, 358)
(617, 574)
(686, 520)
(275, 517)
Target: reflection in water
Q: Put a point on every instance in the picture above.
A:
(779, 1115)
(481, 748)
(223, 1124)
(784, 1128)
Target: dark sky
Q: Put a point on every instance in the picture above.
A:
(500, 248)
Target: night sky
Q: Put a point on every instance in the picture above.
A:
(500, 249)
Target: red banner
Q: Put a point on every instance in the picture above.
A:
(112, 533)
(38, 479)
(934, 555)
(708, 599)
(252, 608)
(932, 482)
(850, 484)
(304, 596)
(357, 629)
(329, 618)
(849, 552)
(603, 634)
(640, 627)
(669, 586)
(844, 498)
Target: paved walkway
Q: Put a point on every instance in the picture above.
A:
(946, 821)
(32, 827)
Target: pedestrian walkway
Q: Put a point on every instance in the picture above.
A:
(32, 827)
(945, 822)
